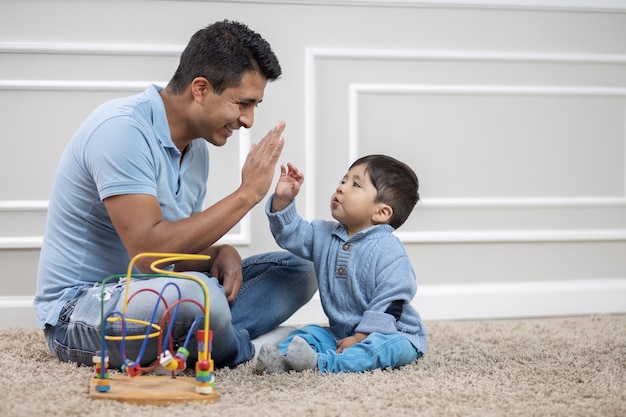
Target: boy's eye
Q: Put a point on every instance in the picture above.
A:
(354, 184)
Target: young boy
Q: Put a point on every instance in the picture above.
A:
(365, 278)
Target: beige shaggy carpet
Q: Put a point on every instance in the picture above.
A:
(567, 367)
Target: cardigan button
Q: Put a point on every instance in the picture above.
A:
(341, 270)
(346, 246)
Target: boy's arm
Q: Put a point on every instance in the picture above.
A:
(394, 287)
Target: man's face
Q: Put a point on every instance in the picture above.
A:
(222, 114)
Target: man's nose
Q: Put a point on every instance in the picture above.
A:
(246, 118)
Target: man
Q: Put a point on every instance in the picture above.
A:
(132, 180)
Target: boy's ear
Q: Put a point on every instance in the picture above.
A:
(382, 214)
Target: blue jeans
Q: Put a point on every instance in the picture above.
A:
(377, 351)
(275, 285)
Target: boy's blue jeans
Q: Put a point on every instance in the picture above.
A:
(377, 351)
(275, 285)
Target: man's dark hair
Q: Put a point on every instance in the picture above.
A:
(221, 53)
(396, 184)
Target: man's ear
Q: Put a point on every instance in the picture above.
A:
(382, 214)
(200, 87)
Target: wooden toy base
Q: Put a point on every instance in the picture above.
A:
(154, 390)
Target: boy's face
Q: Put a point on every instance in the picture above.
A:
(352, 204)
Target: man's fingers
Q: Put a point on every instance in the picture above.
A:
(275, 133)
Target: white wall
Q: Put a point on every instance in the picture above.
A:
(511, 112)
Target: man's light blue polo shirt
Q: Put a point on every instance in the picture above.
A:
(123, 147)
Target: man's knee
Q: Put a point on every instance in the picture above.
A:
(196, 296)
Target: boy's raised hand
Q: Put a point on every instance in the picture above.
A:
(288, 186)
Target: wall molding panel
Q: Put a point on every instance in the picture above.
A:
(313, 55)
(615, 6)
(23, 205)
(242, 236)
(76, 85)
(493, 236)
(21, 242)
(522, 202)
(513, 236)
(82, 48)
(355, 90)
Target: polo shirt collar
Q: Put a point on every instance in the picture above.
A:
(159, 117)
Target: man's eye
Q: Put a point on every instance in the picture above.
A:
(247, 105)
(356, 184)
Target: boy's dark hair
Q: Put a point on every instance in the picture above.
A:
(396, 184)
(221, 53)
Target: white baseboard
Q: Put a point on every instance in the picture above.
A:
(17, 312)
(447, 302)
(504, 300)
(522, 299)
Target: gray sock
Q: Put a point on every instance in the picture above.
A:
(300, 355)
(270, 360)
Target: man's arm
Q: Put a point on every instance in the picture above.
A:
(139, 222)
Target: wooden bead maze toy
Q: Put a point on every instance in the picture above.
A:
(133, 387)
